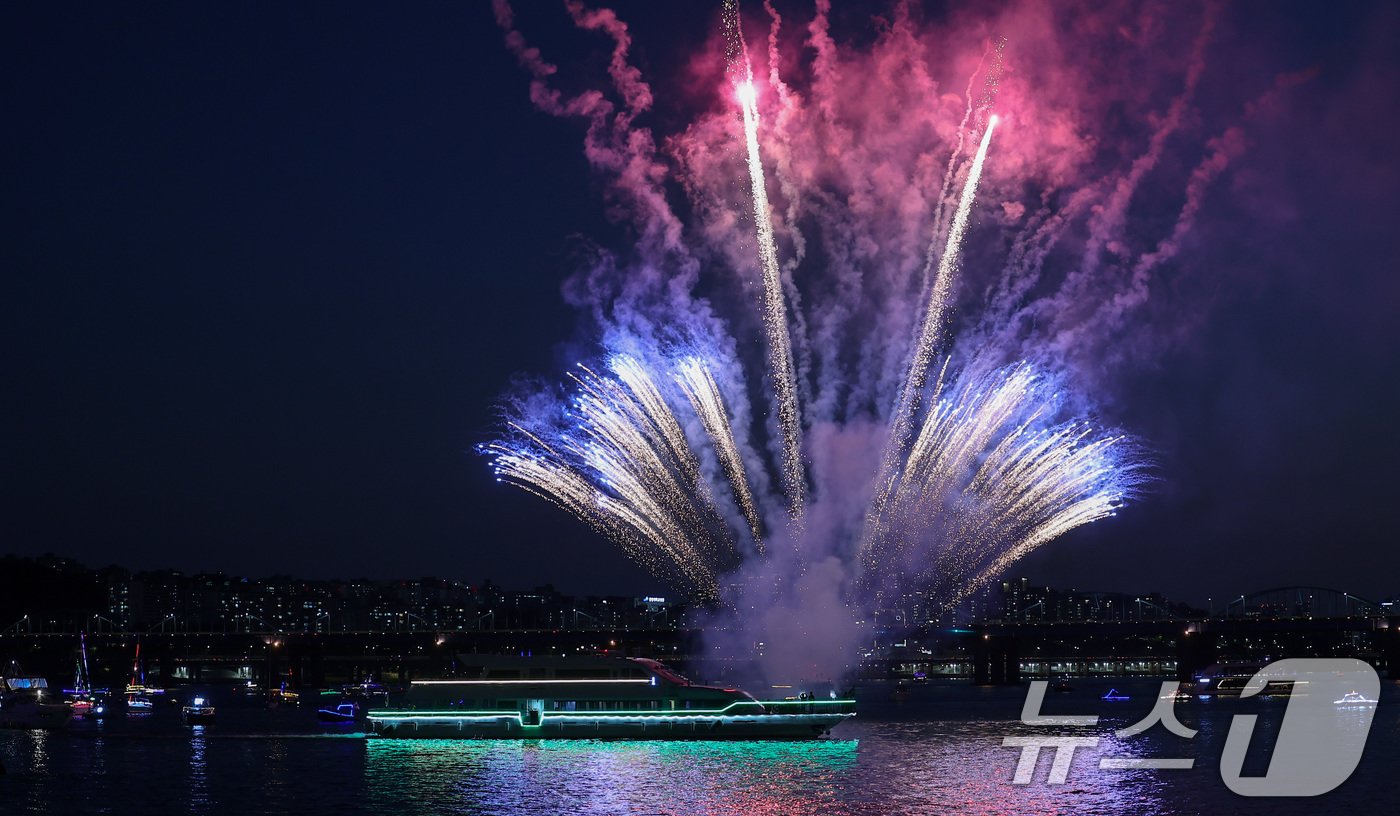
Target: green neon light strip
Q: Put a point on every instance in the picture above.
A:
(592, 719)
(583, 716)
(646, 681)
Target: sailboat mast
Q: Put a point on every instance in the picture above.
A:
(136, 664)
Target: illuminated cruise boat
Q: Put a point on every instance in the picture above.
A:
(596, 698)
(1229, 679)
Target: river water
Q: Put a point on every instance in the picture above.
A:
(939, 751)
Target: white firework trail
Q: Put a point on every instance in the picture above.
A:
(775, 318)
(929, 335)
(695, 379)
(623, 465)
(985, 470)
(941, 204)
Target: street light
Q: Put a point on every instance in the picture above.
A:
(15, 625)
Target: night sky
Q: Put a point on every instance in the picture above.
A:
(269, 267)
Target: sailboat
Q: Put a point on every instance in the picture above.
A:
(81, 697)
(138, 700)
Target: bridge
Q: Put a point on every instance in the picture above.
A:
(1302, 602)
(302, 659)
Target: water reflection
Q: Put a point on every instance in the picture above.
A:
(38, 764)
(274, 771)
(944, 767)
(589, 777)
(880, 766)
(199, 771)
(891, 768)
(939, 752)
(38, 750)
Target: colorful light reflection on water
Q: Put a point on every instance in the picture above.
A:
(955, 767)
(590, 777)
(939, 753)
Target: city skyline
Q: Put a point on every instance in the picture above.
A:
(55, 594)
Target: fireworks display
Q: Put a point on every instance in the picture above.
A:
(829, 398)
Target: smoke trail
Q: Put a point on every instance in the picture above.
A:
(1223, 149)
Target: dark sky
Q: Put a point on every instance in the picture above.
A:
(267, 267)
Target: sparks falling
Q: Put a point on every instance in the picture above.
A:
(668, 447)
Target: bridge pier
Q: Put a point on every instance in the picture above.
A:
(1194, 651)
(996, 660)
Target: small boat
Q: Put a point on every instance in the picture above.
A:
(27, 703)
(343, 713)
(366, 690)
(1113, 696)
(138, 696)
(1354, 699)
(282, 696)
(137, 702)
(198, 712)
